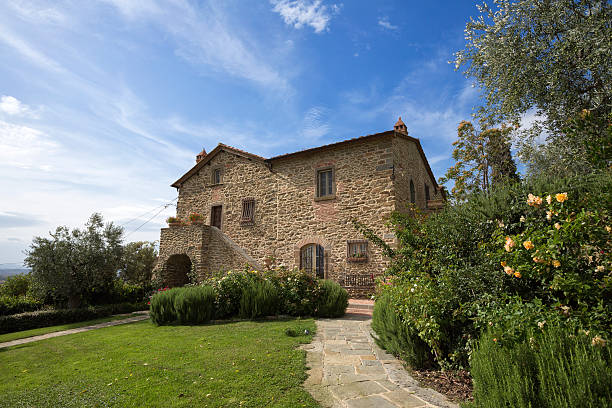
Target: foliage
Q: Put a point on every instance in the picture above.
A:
(537, 373)
(71, 265)
(162, 309)
(333, 300)
(195, 217)
(229, 291)
(16, 285)
(552, 56)
(142, 365)
(51, 317)
(483, 160)
(127, 292)
(137, 262)
(446, 281)
(173, 220)
(299, 291)
(195, 305)
(259, 298)
(18, 304)
(397, 337)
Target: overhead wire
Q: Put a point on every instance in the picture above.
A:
(164, 206)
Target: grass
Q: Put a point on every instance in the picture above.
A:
(240, 364)
(51, 329)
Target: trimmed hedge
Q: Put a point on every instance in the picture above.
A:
(45, 318)
(259, 299)
(195, 305)
(10, 305)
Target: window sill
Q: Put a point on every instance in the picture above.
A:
(325, 198)
(214, 185)
(357, 260)
(245, 223)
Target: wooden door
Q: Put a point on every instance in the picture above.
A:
(215, 216)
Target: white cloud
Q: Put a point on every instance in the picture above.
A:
(28, 51)
(300, 13)
(384, 22)
(315, 126)
(13, 106)
(24, 147)
(205, 35)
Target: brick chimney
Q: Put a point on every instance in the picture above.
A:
(201, 156)
(400, 126)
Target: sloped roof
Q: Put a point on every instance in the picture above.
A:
(220, 147)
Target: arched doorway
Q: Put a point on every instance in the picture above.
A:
(312, 260)
(177, 270)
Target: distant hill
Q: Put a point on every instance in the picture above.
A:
(7, 270)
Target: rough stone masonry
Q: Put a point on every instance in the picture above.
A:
(297, 208)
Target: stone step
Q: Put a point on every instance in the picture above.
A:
(361, 304)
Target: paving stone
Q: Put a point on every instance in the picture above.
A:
(404, 399)
(356, 389)
(349, 378)
(373, 401)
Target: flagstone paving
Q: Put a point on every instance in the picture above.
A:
(348, 369)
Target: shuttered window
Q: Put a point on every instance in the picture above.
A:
(357, 251)
(325, 183)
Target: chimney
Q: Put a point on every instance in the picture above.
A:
(201, 156)
(400, 126)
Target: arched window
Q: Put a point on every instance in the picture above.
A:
(312, 260)
(412, 193)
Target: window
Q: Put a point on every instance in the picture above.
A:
(312, 260)
(248, 211)
(412, 193)
(357, 251)
(325, 183)
(217, 176)
(426, 192)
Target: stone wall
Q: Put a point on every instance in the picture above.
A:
(371, 181)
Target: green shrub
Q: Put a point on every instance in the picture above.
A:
(259, 298)
(397, 337)
(228, 290)
(333, 299)
(16, 285)
(556, 368)
(195, 304)
(18, 304)
(52, 317)
(299, 291)
(162, 306)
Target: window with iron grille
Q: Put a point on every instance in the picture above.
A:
(325, 183)
(357, 251)
(312, 260)
(217, 175)
(248, 211)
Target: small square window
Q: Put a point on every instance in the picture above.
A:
(217, 175)
(248, 211)
(325, 183)
(357, 251)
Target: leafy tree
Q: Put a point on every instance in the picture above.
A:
(138, 261)
(73, 264)
(483, 159)
(552, 56)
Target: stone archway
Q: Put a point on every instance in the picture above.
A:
(176, 270)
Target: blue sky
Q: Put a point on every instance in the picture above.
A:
(105, 103)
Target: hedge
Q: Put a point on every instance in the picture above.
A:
(45, 318)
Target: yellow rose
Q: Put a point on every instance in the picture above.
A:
(534, 201)
(508, 270)
(549, 199)
(517, 274)
(561, 197)
(549, 215)
(556, 263)
(557, 225)
(528, 245)
(503, 263)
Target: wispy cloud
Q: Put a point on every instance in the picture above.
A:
(205, 35)
(315, 126)
(13, 106)
(29, 52)
(384, 22)
(300, 13)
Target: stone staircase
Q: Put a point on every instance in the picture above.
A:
(360, 307)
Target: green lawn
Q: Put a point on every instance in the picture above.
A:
(51, 329)
(242, 364)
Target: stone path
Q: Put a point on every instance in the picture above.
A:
(142, 316)
(347, 369)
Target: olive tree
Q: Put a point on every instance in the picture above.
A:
(551, 57)
(138, 261)
(70, 265)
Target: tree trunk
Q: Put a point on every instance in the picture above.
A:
(74, 301)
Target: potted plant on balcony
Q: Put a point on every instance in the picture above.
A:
(358, 257)
(174, 222)
(196, 219)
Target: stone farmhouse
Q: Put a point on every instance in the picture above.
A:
(297, 208)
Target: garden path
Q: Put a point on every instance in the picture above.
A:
(347, 369)
(142, 316)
